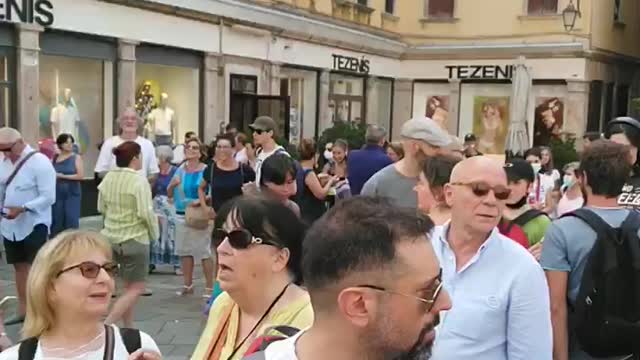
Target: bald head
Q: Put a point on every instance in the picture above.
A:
(9, 135)
(477, 168)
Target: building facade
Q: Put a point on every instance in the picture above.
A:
(73, 65)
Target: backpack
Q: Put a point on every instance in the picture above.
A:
(130, 338)
(606, 315)
(513, 232)
(527, 216)
(257, 348)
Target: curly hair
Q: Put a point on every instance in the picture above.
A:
(607, 167)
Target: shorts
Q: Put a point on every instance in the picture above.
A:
(132, 258)
(25, 251)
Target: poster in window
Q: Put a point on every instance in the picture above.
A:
(491, 122)
(548, 121)
(438, 110)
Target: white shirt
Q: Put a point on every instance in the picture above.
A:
(34, 187)
(178, 154)
(282, 349)
(499, 303)
(66, 119)
(119, 350)
(107, 161)
(162, 120)
(262, 156)
(241, 156)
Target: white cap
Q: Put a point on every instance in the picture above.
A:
(424, 129)
(9, 135)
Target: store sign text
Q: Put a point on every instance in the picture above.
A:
(347, 63)
(27, 11)
(483, 72)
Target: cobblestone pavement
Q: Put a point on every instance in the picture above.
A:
(174, 322)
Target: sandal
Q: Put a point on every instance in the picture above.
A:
(186, 290)
(208, 292)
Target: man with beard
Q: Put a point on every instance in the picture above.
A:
(374, 284)
(421, 137)
(499, 291)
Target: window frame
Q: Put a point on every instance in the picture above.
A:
(543, 10)
(390, 4)
(427, 13)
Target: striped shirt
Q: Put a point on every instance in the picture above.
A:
(124, 199)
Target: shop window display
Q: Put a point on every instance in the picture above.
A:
(346, 99)
(72, 102)
(168, 101)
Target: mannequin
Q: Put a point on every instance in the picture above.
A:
(65, 117)
(162, 122)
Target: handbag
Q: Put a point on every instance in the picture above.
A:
(196, 217)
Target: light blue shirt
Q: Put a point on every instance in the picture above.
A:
(34, 187)
(500, 303)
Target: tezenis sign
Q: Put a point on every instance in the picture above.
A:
(27, 11)
(347, 63)
(492, 72)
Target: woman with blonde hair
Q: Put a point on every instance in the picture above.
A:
(68, 294)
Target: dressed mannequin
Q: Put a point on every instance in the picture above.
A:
(162, 122)
(65, 117)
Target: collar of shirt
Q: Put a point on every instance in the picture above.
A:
(26, 151)
(446, 254)
(126, 169)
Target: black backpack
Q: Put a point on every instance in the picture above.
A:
(130, 338)
(606, 315)
(527, 216)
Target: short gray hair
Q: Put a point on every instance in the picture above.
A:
(132, 110)
(571, 166)
(164, 152)
(375, 134)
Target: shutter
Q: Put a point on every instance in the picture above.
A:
(441, 8)
(595, 105)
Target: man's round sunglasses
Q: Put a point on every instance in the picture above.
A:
(260, 131)
(90, 270)
(481, 188)
(240, 238)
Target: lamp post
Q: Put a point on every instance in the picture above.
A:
(569, 15)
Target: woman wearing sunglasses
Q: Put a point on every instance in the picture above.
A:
(192, 244)
(259, 256)
(68, 294)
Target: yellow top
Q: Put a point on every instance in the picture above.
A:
(297, 314)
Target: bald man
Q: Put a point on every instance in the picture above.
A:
(499, 292)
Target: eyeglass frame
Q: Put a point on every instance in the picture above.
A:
(430, 302)
(102, 267)
(470, 185)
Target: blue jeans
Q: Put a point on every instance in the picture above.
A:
(65, 213)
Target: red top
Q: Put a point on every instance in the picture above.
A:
(514, 232)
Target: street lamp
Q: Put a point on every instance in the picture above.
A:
(569, 15)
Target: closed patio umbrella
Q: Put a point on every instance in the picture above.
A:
(517, 141)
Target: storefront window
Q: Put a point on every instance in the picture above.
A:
(346, 99)
(167, 98)
(384, 103)
(5, 93)
(484, 111)
(300, 87)
(72, 102)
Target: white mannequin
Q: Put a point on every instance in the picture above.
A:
(162, 121)
(65, 117)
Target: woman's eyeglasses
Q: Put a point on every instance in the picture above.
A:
(481, 189)
(193, 147)
(239, 238)
(90, 270)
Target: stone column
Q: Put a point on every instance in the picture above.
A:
(28, 82)
(324, 115)
(577, 105)
(126, 75)
(453, 124)
(211, 94)
(372, 101)
(274, 76)
(402, 96)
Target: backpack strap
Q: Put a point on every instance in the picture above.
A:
(131, 339)
(527, 216)
(601, 227)
(27, 348)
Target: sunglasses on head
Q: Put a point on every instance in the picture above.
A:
(90, 270)
(239, 238)
(481, 188)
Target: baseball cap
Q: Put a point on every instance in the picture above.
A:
(424, 129)
(264, 123)
(9, 135)
(469, 138)
(519, 169)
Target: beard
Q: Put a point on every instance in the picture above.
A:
(420, 350)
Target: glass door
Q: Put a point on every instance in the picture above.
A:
(276, 107)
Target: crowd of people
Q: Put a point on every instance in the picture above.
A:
(411, 250)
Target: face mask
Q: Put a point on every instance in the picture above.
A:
(328, 155)
(536, 168)
(568, 181)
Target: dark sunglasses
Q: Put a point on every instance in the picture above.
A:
(239, 238)
(90, 270)
(260, 131)
(481, 189)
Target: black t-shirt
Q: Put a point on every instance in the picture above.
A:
(226, 184)
(630, 196)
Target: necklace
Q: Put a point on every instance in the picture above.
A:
(81, 347)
